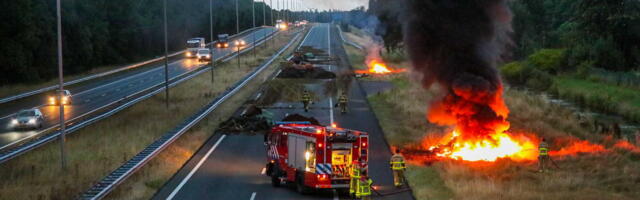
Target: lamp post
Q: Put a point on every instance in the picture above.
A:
(63, 158)
(211, 48)
(253, 13)
(166, 59)
(237, 32)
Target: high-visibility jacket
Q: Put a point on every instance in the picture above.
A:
(355, 171)
(306, 97)
(543, 148)
(343, 99)
(364, 188)
(397, 162)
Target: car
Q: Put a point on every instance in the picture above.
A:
(203, 54)
(240, 43)
(66, 98)
(29, 118)
(223, 41)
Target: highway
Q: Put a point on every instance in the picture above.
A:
(92, 95)
(232, 166)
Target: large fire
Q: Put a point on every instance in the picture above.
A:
(480, 133)
(376, 66)
(495, 146)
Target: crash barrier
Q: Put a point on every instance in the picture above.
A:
(348, 41)
(8, 153)
(103, 74)
(107, 184)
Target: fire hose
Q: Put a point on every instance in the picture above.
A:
(390, 192)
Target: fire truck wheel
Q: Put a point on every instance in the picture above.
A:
(275, 175)
(269, 169)
(300, 187)
(275, 181)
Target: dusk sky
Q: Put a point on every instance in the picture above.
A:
(325, 4)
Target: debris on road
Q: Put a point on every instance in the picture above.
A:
(300, 118)
(253, 120)
(309, 73)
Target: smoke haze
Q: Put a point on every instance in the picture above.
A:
(457, 44)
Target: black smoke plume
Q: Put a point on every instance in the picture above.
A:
(456, 44)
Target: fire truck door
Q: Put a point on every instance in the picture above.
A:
(297, 148)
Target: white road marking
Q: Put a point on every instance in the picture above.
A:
(264, 171)
(193, 171)
(335, 195)
(253, 196)
(329, 38)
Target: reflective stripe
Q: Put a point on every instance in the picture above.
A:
(399, 165)
(323, 169)
(543, 151)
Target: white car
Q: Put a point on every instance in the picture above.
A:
(66, 98)
(30, 118)
(203, 54)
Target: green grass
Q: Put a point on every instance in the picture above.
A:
(601, 96)
(402, 115)
(95, 151)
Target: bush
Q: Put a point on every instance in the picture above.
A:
(514, 72)
(523, 74)
(548, 60)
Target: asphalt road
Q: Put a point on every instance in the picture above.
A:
(92, 95)
(232, 166)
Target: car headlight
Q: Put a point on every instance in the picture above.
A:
(14, 121)
(188, 53)
(32, 121)
(208, 56)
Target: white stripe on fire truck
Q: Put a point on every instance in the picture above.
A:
(323, 168)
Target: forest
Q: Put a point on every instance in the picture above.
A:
(104, 32)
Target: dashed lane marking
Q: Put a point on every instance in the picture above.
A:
(193, 171)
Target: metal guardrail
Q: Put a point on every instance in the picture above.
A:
(53, 87)
(107, 184)
(8, 154)
(348, 41)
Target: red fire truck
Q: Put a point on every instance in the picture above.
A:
(314, 157)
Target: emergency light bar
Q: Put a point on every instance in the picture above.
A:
(292, 122)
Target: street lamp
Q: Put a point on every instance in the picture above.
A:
(61, 87)
(213, 59)
(253, 13)
(237, 32)
(166, 59)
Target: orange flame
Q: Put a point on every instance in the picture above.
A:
(378, 67)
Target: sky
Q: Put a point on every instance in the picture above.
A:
(324, 4)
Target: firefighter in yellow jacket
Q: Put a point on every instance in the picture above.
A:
(364, 187)
(342, 102)
(354, 177)
(398, 166)
(543, 155)
(306, 100)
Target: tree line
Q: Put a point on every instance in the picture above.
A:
(602, 34)
(105, 32)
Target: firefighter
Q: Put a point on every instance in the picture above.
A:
(342, 101)
(355, 176)
(306, 100)
(364, 187)
(543, 155)
(397, 166)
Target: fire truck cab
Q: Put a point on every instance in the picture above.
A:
(314, 157)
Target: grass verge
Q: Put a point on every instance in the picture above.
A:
(599, 95)
(96, 150)
(145, 183)
(613, 175)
